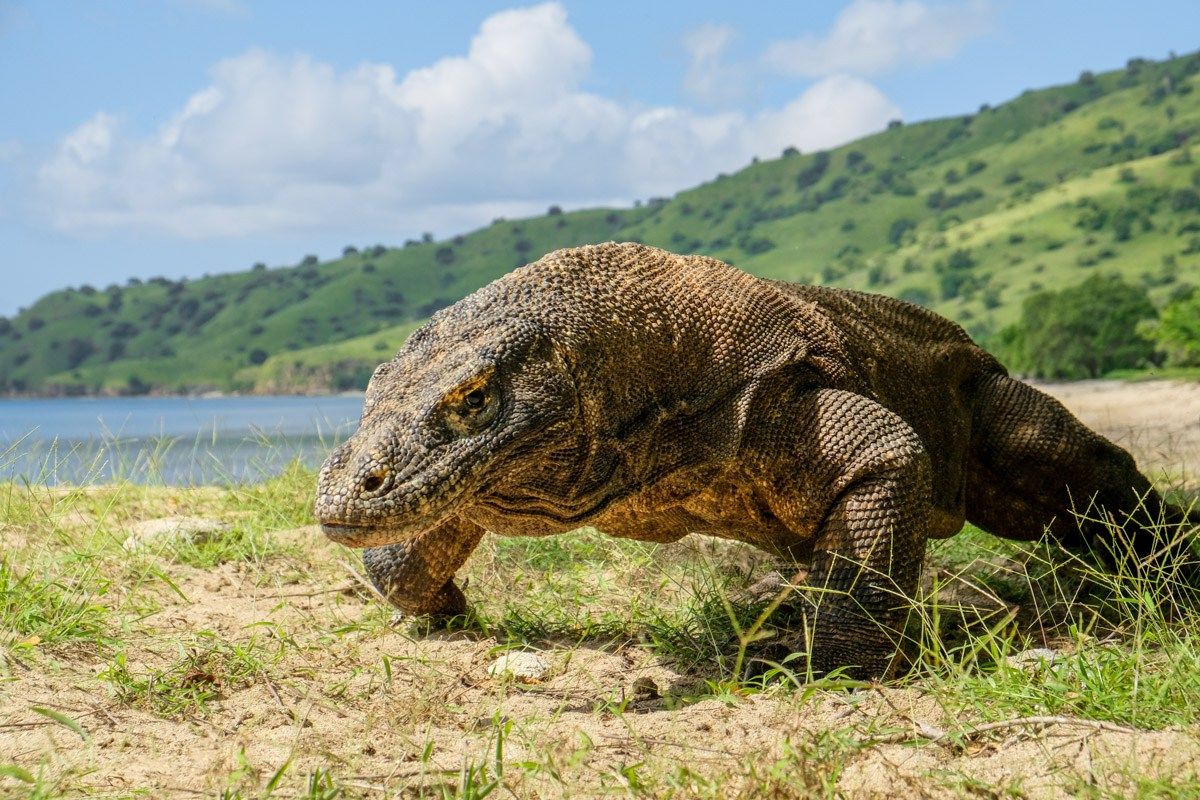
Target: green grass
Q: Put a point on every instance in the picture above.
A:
(206, 668)
(1035, 186)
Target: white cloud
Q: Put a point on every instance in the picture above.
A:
(872, 36)
(708, 78)
(276, 144)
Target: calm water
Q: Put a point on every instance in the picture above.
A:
(176, 440)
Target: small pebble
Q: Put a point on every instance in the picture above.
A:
(525, 667)
(172, 530)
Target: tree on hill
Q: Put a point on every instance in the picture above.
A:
(1084, 331)
(1177, 331)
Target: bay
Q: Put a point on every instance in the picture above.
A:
(168, 440)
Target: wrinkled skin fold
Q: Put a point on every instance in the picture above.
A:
(653, 395)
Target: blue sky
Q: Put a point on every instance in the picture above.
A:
(184, 137)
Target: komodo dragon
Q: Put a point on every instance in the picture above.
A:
(653, 395)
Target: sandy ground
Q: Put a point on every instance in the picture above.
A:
(383, 711)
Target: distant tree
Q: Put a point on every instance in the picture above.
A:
(349, 250)
(956, 274)
(258, 356)
(1177, 331)
(554, 211)
(899, 228)
(444, 256)
(310, 260)
(814, 171)
(1084, 331)
(894, 123)
(378, 251)
(426, 237)
(259, 267)
(1087, 77)
(790, 152)
(1185, 199)
(78, 350)
(35, 323)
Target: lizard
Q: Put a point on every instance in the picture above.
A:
(653, 395)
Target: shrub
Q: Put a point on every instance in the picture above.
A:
(813, 173)
(899, 228)
(1186, 199)
(1177, 331)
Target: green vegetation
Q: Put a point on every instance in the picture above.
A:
(970, 215)
(1084, 331)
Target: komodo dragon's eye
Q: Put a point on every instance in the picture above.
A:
(472, 406)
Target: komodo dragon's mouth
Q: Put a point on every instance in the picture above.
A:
(371, 535)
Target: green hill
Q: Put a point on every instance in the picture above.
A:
(968, 215)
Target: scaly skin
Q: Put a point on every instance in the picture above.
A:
(653, 395)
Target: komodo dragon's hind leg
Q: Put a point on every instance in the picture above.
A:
(417, 576)
(1033, 465)
(870, 473)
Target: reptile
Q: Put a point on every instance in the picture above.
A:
(653, 395)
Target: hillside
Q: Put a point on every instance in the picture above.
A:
(967, 215)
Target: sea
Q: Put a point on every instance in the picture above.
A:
(178, 441)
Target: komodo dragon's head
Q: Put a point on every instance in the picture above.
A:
(445, 421)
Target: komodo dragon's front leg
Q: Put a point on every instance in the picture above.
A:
(864, 479)
(417, 576)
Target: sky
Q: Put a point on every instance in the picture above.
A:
(189, 137)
